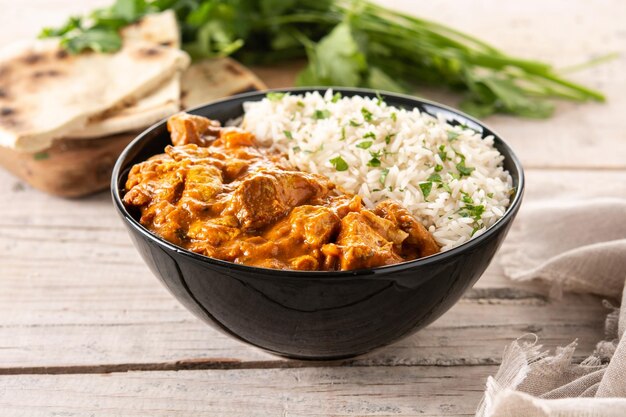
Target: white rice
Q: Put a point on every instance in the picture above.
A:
(313, 130)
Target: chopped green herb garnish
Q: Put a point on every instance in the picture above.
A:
(476, 229)
(379, 99)
(434, 178)
(364, 145)
(452, 135)
(300, 103)
(371, 135)
(296, 149)
(275, 96)
(490, 195)
(446, 187)
(321, 114)
(454, 175)
(339, 163)
(466, 198)
(383, 175)
(389, 137)
(464, 171)
(367, 115)
(336, 97)
(443, 154)
(438, 168)
(343, 133)
(355, 123)
(287, 134)
(471, 210)
(41, 156)
(426, 187)
(374, 162)
(394, 116)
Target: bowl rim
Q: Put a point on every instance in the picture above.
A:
(472, 243)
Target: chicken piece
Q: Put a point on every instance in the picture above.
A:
(418, 235)
(211, 232)
(304, 263)
(233, 137)
(158, 178)
(188, 128)
(313, 225)
(202, 183)
(344, 204)
(263, 197)
(366, 244)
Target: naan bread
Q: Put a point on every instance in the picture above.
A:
(212, 79)
(162, 29)
(202, 82)
(46, 93)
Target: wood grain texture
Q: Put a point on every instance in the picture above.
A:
(356, 391)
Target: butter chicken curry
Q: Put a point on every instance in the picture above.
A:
(217, 193)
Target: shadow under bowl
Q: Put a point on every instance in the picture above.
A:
(315, 315)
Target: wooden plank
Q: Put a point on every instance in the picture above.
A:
(370, 391)
(474, 332)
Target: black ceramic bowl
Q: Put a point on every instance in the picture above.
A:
(314, 315)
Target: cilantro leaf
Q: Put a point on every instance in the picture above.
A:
(334, 60)
(452, 135)
(426, 187)
(97, 40)
(321, 114)
(434, 178)
(383, 176)
(374, 162)
(339, 163)
(364, 145)
(275, 95)
(464, 171)
(367, 115)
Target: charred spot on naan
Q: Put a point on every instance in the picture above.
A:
(148, 53)
(4, 93)
(33, 58)
(46, 73)
(61, 54)
(8, 117)
(6, 111)
(233, 69)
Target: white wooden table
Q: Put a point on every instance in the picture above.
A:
(85, 329)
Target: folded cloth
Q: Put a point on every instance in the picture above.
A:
(574, 246)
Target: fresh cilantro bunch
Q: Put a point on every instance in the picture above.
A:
(347, 43)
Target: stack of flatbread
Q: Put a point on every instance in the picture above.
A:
(65, 118)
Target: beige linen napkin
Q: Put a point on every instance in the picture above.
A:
(575, 245)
